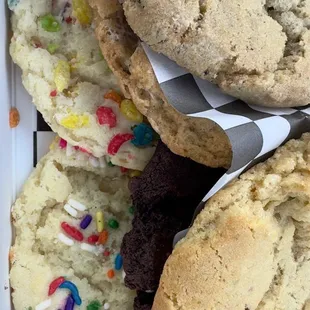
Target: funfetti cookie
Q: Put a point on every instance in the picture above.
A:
(69, 222)
(249, 247)
(257, 51)
(199, 139)
(71, 84)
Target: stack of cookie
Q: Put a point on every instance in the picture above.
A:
(76, 207)
(199, 139)
(244, 250)
(96, 220)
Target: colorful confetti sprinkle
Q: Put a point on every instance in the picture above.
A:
(103, 237)
(76, 205)
(106, 116)
(117, 141)
(44, 304)
(93, 239)
(113, 223)
(86, 221)
(99, 221)
(111, 274)
(70, 210)
(82, 11)
(94, 305)
(64, 239)
(54, 285)
(74, 291)
(118, 262)
(62, 143)
(62, 75)
(88, 248)
(49, 23)
(72, 231)
(130, 111)
(73, 121)
(106, 306)
(143, 135)
(113, 95)
(69, 303)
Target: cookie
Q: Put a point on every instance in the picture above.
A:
(199, 139)
(58, 248)
(249, 246)
(71, 84)
(165, 197)
(255, 51)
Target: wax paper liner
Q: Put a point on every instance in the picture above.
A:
(254, 131)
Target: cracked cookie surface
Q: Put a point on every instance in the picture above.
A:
(257, 51)
(249, 247)
(200, 139)
(38, 256)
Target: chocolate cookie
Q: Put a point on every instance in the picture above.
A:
(165, 197)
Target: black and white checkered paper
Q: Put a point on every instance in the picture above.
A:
(254, 132)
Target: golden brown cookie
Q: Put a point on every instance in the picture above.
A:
(199, 139)
(257, 51)
(249, 248)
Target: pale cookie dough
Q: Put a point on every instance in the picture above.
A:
(39, 255)
(249, 247)
(199, 139)
(257, 51)
(68, 79)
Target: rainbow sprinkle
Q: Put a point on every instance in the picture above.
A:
(74, 291)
